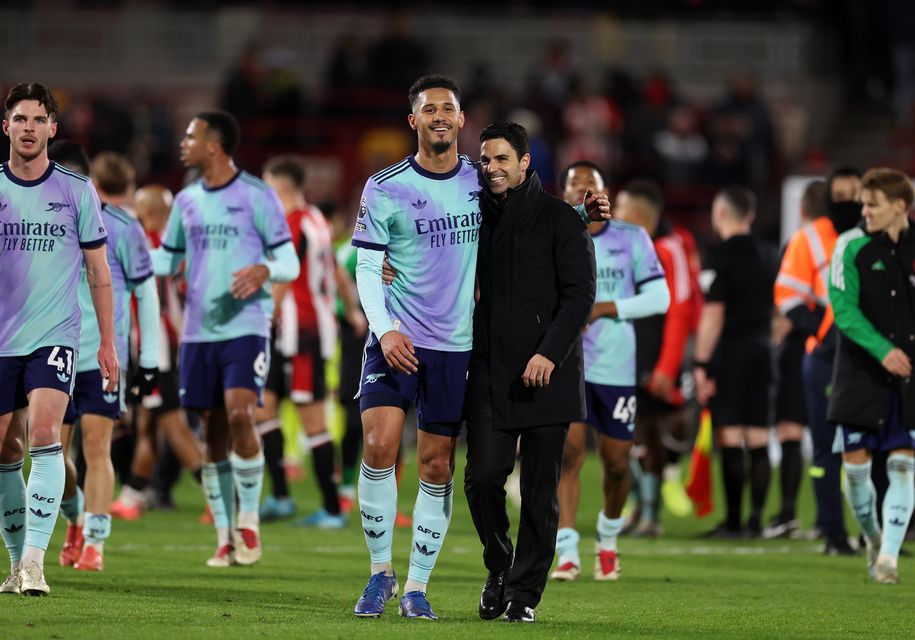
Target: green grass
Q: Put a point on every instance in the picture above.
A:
(156, 585)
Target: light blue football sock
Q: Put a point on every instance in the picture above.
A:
(72, 506)
(608, 529)
(898, 503)
(649, 488)
(861, 497)
(567, 546)
(12, 508)
(378, 506)
(43, 492)
(635, 470)
(249, 480)
(213, 476)
(431, 517)
(96, 529)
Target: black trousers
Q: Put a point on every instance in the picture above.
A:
(827, 484)
(490, 459)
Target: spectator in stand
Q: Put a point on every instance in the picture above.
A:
(591, 123)
(742, 119)
(681, 149)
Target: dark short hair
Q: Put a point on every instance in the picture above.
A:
(70, 155)
(512, 132)
(225, 125)
(287, 166)
(844, 171)
(584, 164)
(894, 184)
(741, 201)
(30, 91)
(433, 82)
(648, 191)
(113, 173)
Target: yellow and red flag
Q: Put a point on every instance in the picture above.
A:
(699, 480)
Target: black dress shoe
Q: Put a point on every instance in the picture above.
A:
(518, 612)
(838, 546)
(492, 598)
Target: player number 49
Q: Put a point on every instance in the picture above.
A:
(624, 411)
(56, 361)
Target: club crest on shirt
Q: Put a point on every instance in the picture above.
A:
(474, 196)
(230, 209)
(57, 207)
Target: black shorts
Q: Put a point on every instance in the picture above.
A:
(165, 397)
(742, 369)
(789, 398)
(351, 348)
(278, 375)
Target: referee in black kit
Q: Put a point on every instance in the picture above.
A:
(536, 271)
(733, 359)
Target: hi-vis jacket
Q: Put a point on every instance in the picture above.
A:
(802, 285)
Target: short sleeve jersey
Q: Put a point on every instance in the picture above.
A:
(743, 274)
(222, 230)
(429, 224)
(626, 260)
(127, 251)
(316, 287)
(44, 225)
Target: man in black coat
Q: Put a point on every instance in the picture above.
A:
(537, 281)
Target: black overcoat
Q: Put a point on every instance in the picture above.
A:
(537, 280)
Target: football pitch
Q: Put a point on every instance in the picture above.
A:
(156, 585)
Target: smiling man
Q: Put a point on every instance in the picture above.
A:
(537, 284)
(50, 222)
(425, 213)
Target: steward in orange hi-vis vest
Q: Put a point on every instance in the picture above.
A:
(802, 285)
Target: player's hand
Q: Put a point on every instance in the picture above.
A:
(597, 205)
(661, 385)
(603, 310)
(248, 281)
(143, 383)
(388, 273)
(705, 386)
(108, 365)
(538, 371)
(781, 327)
(399, 352)
(897, 363)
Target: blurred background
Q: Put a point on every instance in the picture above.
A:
(695, 94)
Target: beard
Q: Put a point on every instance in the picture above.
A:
(441, 146)
(28, 156)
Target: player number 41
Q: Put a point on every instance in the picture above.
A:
(56, 361)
